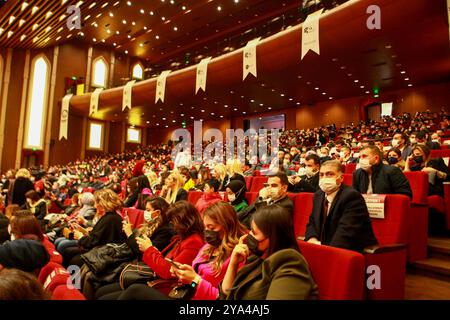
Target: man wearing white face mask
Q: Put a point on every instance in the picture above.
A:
(339, 216)
(399, 141)
(374, 177)
(310, 181)
(275, 191)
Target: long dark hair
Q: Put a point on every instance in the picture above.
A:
(275, 222)
(158, 203)
(185, 218)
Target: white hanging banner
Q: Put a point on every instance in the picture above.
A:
(249, 60)
(202, 71)
(126, 98)
(161, 86)
(64, 120)
(448, 15)
(310, 33)
(94, 101)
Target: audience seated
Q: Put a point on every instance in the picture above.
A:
(210, 195)
(374, 177)
(310, 181)
(173, 190)
(339, 217)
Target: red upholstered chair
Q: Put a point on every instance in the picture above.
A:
(442, 205)
(256, 173)
(135, 216)
(251, 197)
(62, 292)
(338, 273)
(57, 277)
(390, 255)
(348, 179)
(302, 210)
(67, 202)
(444, 146)
(258, 183)
(248, 182)
(418, 230)
(193, 196)
(443, 153)
(47, 269)
(350, 168)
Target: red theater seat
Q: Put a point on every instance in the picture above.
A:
(62, 292)
(442, 205)
(350, 168)
(390, 256)
(338, 273)
(193, 196)
(302, 210)
(443, 153)
(348, 179)
(258, 183)
(57, 277)
(248, 182)
(47, 269)
(251, 197)
(135, 216)
(418, 229)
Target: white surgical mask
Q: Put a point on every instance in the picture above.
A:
(274, 193)
(413, 140)
(365, 164)
(148, 216)
(394, 143)
(328, 185)
(342, 154)
(231, 197)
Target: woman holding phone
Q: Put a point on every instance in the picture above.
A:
(273, 267)
(183, 248)
(222, 233)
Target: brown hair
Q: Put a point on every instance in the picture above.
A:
(224, 215)
(157, 203)
(25, 225)
(33, 195)
(19, 285)
(108, 200)
(10, 210)
(185, 219)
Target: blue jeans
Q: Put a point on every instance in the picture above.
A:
(61, 244)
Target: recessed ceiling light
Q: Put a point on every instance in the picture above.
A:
(93, 39)
(316, 88)
(117, 32)
(92, 5)
(129, 3)
(133, 23)
(108, 31)
(324, 93)
(175, 29)
(126, 51)
(151, 13)
(183, 8)
(356, 81)
(282, 95)
(403, 72)
(406, 79)
(269, 108)
(111, 14)
(124, 21)
(142, 11)
(331, 98)
(219, 8)
(410, 85)
(157, 37)
(104, 5)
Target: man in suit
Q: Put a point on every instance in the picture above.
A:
(339, 217)
(310, 181)
(274, 192)
(375, 177)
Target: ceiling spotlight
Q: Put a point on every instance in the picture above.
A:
(129, 3)
(219, 8)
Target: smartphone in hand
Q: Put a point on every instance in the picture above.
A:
(172, 263)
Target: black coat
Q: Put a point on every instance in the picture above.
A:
(19, 187)
(348, 224)
(160, 239)
(438, 187)
(306, 184)
(385, 180)
(4, 223)
(107, 230)
(245, 217)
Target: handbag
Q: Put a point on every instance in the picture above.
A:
(182, 292)
(136, 272)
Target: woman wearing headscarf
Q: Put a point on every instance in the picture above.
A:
(236, 195)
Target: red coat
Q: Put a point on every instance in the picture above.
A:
(138, 168)
(183, 252)
(54, 255)
(206, 200)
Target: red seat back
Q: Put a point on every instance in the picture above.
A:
(46, 270)
(251, 197)
(350, 168)
(193, 196)
(62, 292)
(418, 181)
(346, 284)
(393, 229)
(258, 183)
(135, 216)
(57, 277)
(348, 179)
(302, 210)
(248, 182)
(443, 153)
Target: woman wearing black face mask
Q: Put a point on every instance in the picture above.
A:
(274, 268)
(437, 170)
(394, 158)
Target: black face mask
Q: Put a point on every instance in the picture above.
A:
(252, 245)
(392, 160)
(213, 238)
(418, 159)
